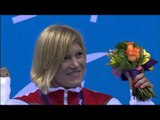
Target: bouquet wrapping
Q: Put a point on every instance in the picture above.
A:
(132, 58)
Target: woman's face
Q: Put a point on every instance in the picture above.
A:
(71, 71)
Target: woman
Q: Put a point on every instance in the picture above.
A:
(58, 68)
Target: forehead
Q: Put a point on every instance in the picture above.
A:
(74, 47)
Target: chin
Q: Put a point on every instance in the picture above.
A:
(76, 84)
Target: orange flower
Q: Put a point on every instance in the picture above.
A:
(132, 53)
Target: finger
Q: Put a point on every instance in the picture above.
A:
(140, 82)
(146, 84)
(138, 77)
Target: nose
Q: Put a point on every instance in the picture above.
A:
(74, 63)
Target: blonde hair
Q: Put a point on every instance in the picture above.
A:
(51, 47)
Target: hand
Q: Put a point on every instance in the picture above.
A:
(141, 87)
(139, 81)
(4, 72)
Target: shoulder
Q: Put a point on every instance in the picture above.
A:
(32, 97)
(16, 102)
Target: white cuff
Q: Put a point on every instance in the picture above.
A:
(134, 101)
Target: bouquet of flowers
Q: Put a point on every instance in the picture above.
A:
(128, 57)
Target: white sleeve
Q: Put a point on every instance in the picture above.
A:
(5, 90)
(134, 101)
(114, 101)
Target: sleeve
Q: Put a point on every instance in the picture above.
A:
(134, 101)
(5, 90)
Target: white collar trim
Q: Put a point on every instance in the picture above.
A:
(77, 89)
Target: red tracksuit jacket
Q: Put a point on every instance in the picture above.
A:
(84, 97)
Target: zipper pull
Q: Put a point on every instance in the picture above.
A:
(65, 97)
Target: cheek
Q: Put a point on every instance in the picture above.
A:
(60, 73)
